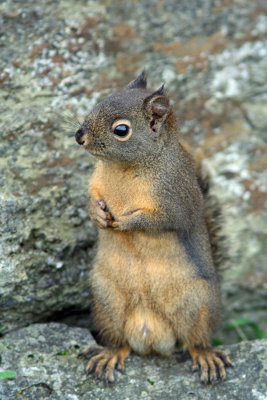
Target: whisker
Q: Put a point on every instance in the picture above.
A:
(70, 122)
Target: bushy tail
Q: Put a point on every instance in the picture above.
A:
(214, 220)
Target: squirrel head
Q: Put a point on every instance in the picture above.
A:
(130, 125)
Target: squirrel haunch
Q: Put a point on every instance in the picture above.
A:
(154, 282)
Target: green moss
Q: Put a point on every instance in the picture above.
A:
(7, 374)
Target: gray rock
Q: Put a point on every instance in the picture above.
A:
(44, 357)
(46, 239)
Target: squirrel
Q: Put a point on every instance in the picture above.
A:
(154, 282)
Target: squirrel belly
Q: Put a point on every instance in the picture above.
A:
(147, 298)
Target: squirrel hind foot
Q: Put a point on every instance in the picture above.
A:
(211, 363)
(103, 361)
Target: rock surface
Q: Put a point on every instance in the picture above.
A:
(62, 57)
(44, 357)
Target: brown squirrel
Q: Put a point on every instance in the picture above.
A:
(154, 283)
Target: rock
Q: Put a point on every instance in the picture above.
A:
(58, 59)
(44, 357)
(46, 240)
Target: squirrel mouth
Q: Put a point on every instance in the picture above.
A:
(95, 151)
(96, 147)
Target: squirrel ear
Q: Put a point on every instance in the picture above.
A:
(139, 82)
(158, 107)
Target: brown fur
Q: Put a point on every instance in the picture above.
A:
(154, 282)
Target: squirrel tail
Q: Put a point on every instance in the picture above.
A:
(214, 219)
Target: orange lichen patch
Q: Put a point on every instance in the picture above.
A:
(57, 58)
(257, 201)
(197, 109)
(193, 48)
(249, 37)
(4, 78)
(199, 63)
(38, 49)
(89, 23)
(17, 194)
(123, 31)
(54, 81)
(262, 9)
(34, 185)
(60, 162)
(103, 82)
(44, 71)
(74, 46)
(10, 136)
(223, 5)
(15, 62)
(81, 90)
(50, 142)
(194, 52)
(194, 108)
(210, 123)
(181, 66)
(112, 46)
(228, 131)
(14, 14)
(127, 62)
(261, 163)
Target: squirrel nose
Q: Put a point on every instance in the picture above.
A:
(79, 136)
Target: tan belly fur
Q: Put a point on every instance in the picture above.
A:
(144, 306)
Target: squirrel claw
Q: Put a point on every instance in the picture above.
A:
(101, 204)
(212, 364)
(103, 361)
(101, 215)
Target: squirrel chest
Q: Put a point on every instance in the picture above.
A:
(141, 300)
(122, 189)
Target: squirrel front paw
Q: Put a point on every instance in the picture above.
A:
(100, 214)
(119, 224)
(127, 221)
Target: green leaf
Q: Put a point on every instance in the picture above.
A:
(62, 353)
(150, 382)
(237, 322)
(241, 322)
(258, 332)
(216, 341)
(7, 374)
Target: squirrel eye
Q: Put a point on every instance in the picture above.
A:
(122, 130)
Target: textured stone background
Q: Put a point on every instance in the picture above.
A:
(45, 356)
(57, 60)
